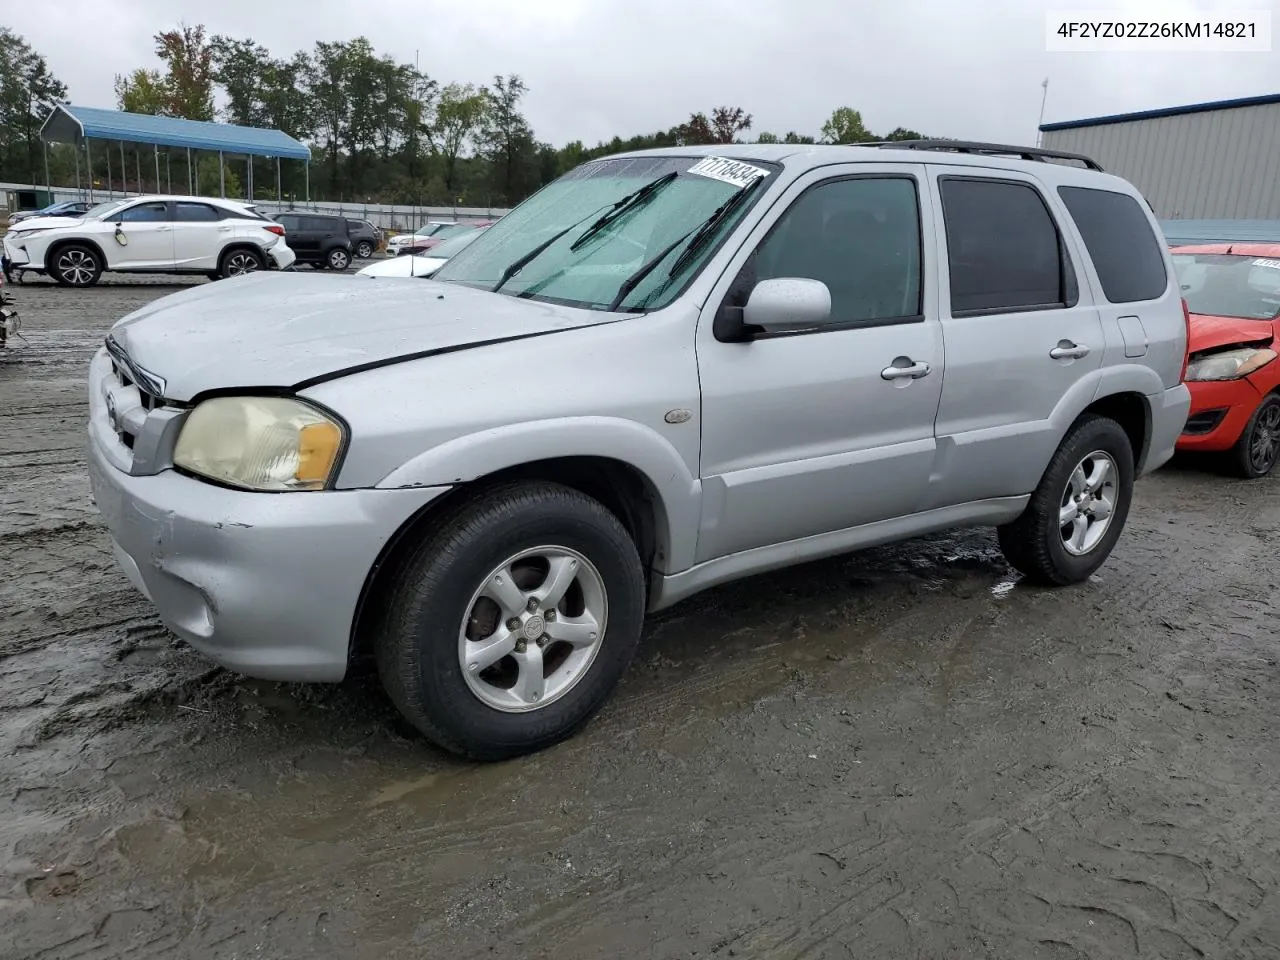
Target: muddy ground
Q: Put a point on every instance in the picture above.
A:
(901, 754)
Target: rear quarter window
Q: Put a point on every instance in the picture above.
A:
(1124, 249)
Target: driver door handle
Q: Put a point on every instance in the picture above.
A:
(1068, 350)
(903, 368)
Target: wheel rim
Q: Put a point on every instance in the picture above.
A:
(1088, 503)
(532, 629)
(1265, 442)
(239, 263)
(77, 267)
(365, 251)
(338, 260)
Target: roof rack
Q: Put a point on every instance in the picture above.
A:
(988, 149)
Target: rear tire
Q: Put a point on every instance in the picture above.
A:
(365, 250)
(1255, 453)
(338, 259)
(238, 262)
(76, 265)
(1079, 508)
(460, 647)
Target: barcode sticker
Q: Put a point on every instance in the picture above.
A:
(728, 171)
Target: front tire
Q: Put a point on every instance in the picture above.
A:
(1079, 509)
(76, 265)
(508, 627)
(238, 262)
(1255, 453)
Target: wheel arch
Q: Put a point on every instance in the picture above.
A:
(62, 242)
(240, 244)
(623, 489)
(1132, 411)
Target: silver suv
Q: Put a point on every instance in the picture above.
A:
(664, 371)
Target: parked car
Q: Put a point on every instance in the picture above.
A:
(663, 371)
(421, 245)
(421, 266)
(319, 239)
(428, 229)
(1232, 291)
(365, 238)
(150, 234)
(64, 208)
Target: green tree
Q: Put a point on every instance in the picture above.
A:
(460, 115)
(845, 126)
(767, 138)
(506, 139)
(27, 92)
(143, 91)
(793, 137)
(723, 126)
(240, 68)
(188, 83)
(902, 133)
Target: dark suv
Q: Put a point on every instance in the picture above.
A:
(318, 239)
(364, 238)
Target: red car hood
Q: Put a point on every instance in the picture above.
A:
(1209, 332)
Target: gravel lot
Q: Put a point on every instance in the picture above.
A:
(901, 754)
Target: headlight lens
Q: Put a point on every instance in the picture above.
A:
(260, 443)
(1230, 364)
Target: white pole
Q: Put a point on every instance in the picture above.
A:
(1043, 97)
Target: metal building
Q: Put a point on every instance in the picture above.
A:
(1206, 161)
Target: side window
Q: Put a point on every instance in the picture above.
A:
(1003, 248)
(355, 225)
(156, 212)
(1120, 241)
(289, 221)
(859, 236)
(195, 213)
(318, 225)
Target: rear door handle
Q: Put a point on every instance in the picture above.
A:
(904, 368)
(1067, 350)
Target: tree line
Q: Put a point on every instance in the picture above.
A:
(380, 130)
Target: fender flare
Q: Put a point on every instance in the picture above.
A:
(467, 458)
(61, 242)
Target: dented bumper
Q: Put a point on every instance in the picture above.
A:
(263, 584)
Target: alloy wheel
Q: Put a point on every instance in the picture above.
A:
(533, 628)
(1264, 444)
(240, 263)
(1088, 503)
(77, 267)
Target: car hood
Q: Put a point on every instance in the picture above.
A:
(1209, 332)
(271, 330)
(43, 223)
(405, 265)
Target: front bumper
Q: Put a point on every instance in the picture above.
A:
(264, 584)
(17, 256)
(1224, 408)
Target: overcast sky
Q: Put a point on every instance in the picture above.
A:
(596, 68)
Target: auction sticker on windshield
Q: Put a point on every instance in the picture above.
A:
(1265, 262)
(728, 171)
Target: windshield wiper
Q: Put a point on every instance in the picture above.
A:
(613, 209)
(700, 234)
(630, 201)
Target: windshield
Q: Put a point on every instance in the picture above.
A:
(1229, 285)
(102, 209)
(453, 230)
(593, 274)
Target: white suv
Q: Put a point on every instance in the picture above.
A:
(155, 234)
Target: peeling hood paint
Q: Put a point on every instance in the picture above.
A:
(284, 329)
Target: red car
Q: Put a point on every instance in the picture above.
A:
(419, 247)
(1232, 291)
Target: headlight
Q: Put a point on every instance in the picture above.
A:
(1230, 364)
(260, 443)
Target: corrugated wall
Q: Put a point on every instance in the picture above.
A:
(1221, 164)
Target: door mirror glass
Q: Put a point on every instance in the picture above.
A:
(785, 304)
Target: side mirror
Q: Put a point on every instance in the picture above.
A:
(787, 304)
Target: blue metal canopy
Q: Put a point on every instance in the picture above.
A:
(70, 124)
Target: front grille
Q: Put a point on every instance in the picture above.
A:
(1206, 421)
(149, 401)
